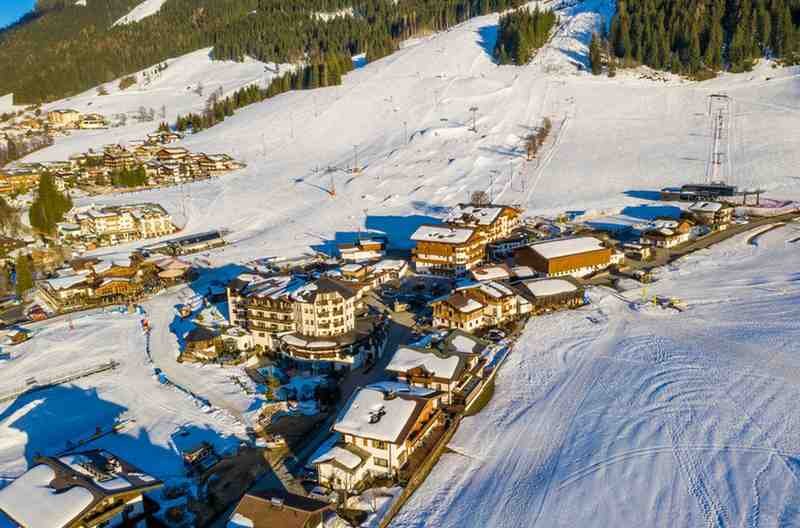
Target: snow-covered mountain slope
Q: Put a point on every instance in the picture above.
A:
(610, 137)
(145, 9)
(182, 87)
(623, 415)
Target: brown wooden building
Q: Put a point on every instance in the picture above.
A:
(278, 509)
(577, 256)
(443, 250)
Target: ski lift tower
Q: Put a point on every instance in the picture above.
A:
(719, 112)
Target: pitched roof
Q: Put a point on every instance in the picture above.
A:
(273, 508)
(201, 333)
(57, 491)
(386, 416)
(438, 364)
(564, 247)
(462, 303)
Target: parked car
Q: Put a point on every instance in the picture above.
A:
(495, 335)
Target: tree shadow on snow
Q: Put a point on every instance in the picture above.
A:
(63, 419)
(396, 231)
(487, 40)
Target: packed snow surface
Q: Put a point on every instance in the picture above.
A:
(626, 414)
(141, 11)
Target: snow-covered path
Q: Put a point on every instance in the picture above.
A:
(620, 414)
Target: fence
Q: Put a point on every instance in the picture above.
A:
(35, 385)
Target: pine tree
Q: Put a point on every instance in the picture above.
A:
(595, 56)
(24, 275)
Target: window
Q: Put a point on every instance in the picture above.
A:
(382, 462)
(378, 444)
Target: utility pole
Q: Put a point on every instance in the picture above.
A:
(356, 169)
(405, 132)
(474, 109)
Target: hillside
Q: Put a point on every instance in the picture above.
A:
(620, 414)
(67, 47)
(616, 414)
(610, 137)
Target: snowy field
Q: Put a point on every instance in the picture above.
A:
(162, 419)
(613, 140)
(626, 415)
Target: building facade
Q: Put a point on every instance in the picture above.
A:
(578, 257)
(443, 250)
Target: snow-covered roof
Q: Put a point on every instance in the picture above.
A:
(443, 234)
(79, 462)
(462, 303)
(272, 287)
(486, 273)
(352, 268)
(407, 358)
(238, 520)
(546, 287)
(371, 414)
(564, 247)
(102, 266)
(388, 265)
(522, 272)
(464, 343)
(495, 290)
(467, 213)
(345, 457)
(705, 207)
(64, 283)
(31, 502)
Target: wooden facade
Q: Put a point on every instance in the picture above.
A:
(568, 264)
(447, 258)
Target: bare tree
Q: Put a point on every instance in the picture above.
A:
(531, 146)
(480, 198)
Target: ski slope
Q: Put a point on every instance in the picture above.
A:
(610, 137)
(145, 9)
(619, 414)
